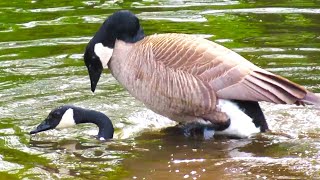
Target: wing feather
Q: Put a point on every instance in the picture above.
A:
(164, 90)
(228, 74)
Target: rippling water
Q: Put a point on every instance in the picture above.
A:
(41, 47)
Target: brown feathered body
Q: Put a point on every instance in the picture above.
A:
(182, 77)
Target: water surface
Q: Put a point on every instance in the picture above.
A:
(41, 67)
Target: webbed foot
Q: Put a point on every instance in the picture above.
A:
(207, 130)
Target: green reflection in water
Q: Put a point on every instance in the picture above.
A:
(41, 67)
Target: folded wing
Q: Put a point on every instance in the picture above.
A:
(228, 74)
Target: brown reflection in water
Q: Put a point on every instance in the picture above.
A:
(178, 157)
(171, 155)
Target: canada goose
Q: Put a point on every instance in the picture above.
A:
(187, 78)
(68, 116)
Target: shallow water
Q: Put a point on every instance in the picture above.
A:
(41, 47)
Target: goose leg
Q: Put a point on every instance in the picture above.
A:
(190, 129)
(194, 129)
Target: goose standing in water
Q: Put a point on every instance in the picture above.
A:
(188, 79)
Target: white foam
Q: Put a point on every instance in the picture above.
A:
(208, 133)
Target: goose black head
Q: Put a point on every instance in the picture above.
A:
(68, 116)
(121, 25)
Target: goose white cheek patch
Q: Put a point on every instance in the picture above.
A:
(67, 120)
(104, 53)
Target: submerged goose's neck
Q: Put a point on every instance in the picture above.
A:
(68, 116)
(101, 120)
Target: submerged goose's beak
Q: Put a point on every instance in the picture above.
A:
(45, 125)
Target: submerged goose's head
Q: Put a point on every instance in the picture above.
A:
(68, 116)
(122, 25)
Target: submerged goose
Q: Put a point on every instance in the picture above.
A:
(187, 78)
(68, 116)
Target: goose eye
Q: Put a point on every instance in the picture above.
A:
(55, 114)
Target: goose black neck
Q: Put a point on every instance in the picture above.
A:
(106, 129)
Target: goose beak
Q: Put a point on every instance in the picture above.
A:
(94, 66)
(94, 75)
(42, 127)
